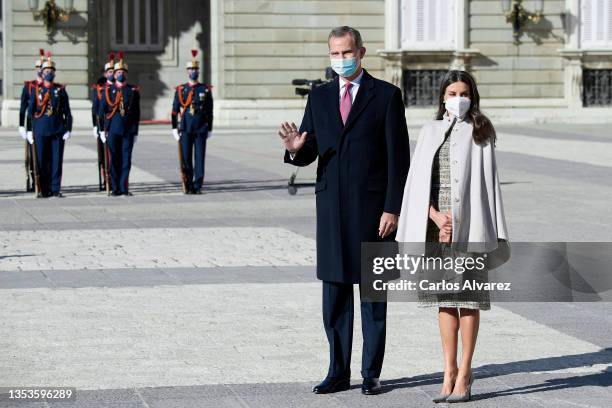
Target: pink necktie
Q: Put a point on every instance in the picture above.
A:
(345, 102)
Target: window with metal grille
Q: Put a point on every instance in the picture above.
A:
(137, 25)
(422, 87)
(597, 87)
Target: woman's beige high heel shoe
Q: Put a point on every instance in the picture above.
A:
(442, 397)
(466, 396)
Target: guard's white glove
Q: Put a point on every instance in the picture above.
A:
(30, 137)
(103, 137)
(176, 134)
(66, 136)
(95, 132)
(209, 135)
(23, 133)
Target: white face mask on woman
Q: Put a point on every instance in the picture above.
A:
(458, 105)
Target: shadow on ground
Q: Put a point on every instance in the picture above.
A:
(542, 365)
(167, 187)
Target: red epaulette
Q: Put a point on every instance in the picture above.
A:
(61, 86)
(135, 88)
(208, 86)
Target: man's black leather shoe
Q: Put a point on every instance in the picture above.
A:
(115, 193)
(330, 385)
(371, 386)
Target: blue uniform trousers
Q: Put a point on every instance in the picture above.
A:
(193, 146)
(49, 157)
(120, 147)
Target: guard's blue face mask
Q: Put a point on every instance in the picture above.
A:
(49, 76)
(121, 77)
(193, 75)
(39, 74)
(110, 76)
(344, 67)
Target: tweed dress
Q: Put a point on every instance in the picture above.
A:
(441, 193)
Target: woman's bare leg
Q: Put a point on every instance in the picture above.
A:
(448, 320)
(469, 323)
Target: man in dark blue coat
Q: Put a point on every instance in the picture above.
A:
(120, 107)
(193, 102)
(51, 126)
(356, 127)
(25, 120)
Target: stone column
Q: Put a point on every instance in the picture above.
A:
(393, 67)
(573, 78)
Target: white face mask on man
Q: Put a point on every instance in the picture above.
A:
(458, 105)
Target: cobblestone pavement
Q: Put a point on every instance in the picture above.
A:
(166, 300)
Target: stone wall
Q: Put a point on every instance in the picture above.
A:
(534, 69)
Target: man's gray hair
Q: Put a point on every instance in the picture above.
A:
(344, 30)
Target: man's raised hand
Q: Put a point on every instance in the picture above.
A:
(291, 137)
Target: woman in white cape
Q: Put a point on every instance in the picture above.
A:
(453, 195)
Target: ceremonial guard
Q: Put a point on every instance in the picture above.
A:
(25, 121)
(97, 93)
(120, 108)
(192, 121)
(49, 108)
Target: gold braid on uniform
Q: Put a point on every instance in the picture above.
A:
(41, 104)
(114, 104)
(183, 103)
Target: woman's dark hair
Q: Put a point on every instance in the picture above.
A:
(483, 128)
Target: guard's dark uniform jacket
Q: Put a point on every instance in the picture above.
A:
(97, 92)
(120, 108)
(194, 104)
(25, 121)
(49, 108)
(24, 118)
(97, 121)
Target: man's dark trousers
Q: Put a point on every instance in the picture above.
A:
(338, 306)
